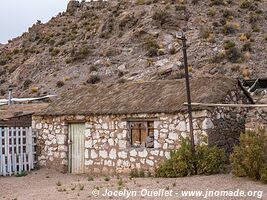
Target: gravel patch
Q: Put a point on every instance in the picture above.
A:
(47, 184)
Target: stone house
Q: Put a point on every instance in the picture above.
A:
(115, 127)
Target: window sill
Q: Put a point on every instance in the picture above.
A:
(140, 148)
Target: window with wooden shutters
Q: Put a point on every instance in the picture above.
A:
(142, 134)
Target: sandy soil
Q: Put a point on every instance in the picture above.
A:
(49, 185)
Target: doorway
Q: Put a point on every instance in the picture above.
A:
(76, 148)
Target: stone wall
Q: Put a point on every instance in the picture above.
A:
(257, 118)
(229, 121)
(107, 140)
(52, 148)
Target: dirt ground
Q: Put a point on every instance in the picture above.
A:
(47, 184)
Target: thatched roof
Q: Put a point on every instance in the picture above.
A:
(17, 110)
(147, 97)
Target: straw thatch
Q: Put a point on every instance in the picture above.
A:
(133, 98)
(18, 110)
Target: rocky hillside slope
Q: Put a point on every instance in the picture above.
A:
(118, 41)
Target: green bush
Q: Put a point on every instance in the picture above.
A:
(249, 158)
(152, 47)
(228, 44)
(246, 4)
(204, 32)
(141, 173)
(219, 57)
(2, 92)
(207, 160)
(27, 83)
(180, 164)
(93, 79)
(93, 68)
(21, 174)
(77, 54)
(255, 28)
(227, 13)
(152, 52)
(160, 16)
(195, 2)
(263, 173)
(15, 51)
(140, 2)
(212, 12)
(210, 160)
(234, 55)
(3, 62)
(253, 18)
(229, 29)
(135, 173)
(54, 51)
(217, 2)
(247, 47)
(60, 84)
(180, 7)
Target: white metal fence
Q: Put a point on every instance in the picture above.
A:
(17, 150)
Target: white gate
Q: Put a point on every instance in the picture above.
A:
(16, 150)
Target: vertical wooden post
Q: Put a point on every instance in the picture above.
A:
(30, 148)
(17, 140)
(21, 140)
(4, 164)
(183, 38)
(12, 149)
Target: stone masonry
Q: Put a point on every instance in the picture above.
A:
(229, 121)
(107, 140)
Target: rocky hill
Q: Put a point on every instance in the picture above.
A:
(119, 41)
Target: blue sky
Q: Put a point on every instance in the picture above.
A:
(16, 16)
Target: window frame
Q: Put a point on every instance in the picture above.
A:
(147, 125)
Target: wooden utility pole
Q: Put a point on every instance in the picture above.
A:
(182, 37)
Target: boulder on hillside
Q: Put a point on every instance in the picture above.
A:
(72, 6)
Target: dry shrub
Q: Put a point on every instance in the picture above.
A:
(249, 158)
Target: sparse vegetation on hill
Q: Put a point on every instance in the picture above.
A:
(120, 41)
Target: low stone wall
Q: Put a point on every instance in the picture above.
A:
(229, 121)
(257, 118)
(107, 140)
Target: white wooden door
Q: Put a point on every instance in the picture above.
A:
(76, 148)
